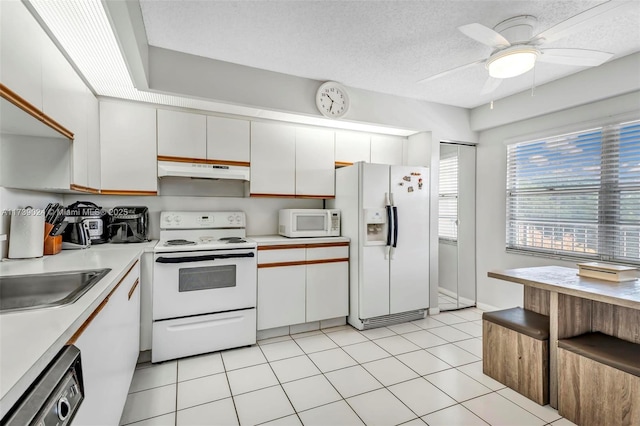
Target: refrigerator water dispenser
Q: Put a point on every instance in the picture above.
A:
(376, 221)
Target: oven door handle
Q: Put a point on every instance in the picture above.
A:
(210, 257)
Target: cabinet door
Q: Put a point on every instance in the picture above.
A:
(182, 134)
(109, 347)
(128, 148)
(21, 40)
(63, 91)
(281, 296)
(386, 149)
(327, 283)
(315, 164)
(273, 159)
(228, 139)
(93, 141)
(352, 147)
(327, 290)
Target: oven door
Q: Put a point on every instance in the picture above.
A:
(203, 282)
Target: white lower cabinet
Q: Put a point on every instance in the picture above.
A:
(109, 348)
(303, 284)
(327, 290)
(281, 296)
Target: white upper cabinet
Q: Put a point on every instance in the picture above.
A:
(352, 147)
(182, 134)
(273, 159)
(315, 164)
(63, 91)
(93, 140)
(228, 140)
(21, 52)
(128, 148)
(387, 149)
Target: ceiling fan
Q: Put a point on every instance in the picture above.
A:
(516, 49)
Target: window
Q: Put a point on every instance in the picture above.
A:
(448, 198)
(577, 194)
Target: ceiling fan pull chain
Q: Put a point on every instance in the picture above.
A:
(533, 83)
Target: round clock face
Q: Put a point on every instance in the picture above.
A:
(332, 100)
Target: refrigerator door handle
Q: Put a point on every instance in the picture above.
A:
(387, 249)
(395, 227)
(389, 225)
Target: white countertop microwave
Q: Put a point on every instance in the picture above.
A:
(296, 223)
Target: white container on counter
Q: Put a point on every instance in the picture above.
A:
(26, 236)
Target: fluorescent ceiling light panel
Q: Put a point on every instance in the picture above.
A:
(84, 31)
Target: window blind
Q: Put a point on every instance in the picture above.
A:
(448, 199)
(577, 194)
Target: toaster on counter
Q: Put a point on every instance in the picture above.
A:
(129, 224)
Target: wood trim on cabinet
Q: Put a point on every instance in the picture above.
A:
(85, 324)
(302, 262)
(321, 245)
(279, 264)
(283, 247)
(343, 164)
(317, 197)
(33, 111)
(272, 195)
(100, 307)
(81, 188)
(203, 161)
(126, 192)
(305, 246)
(133, 288)
(336, 260)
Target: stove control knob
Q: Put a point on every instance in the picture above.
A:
(238, 219)
(230, 219)
(168, 219)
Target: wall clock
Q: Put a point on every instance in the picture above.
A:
(332, 99)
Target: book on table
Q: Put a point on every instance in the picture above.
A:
(607, 272)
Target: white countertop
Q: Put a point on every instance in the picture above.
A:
(30, 339)
(264, 240)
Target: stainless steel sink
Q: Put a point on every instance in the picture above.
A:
(21, 292)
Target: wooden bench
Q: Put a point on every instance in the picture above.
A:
(599, 380)
(515, 351)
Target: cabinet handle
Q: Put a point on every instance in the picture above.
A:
(85, 324)
(133, 288)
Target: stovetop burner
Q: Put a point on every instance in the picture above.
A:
(233, 240)
(179, 243)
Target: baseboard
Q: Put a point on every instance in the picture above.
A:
(486, 307)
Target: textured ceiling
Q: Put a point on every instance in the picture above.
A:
(383, 46)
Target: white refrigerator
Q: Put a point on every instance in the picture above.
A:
(385, 213)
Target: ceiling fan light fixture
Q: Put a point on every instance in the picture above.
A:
(512, 62)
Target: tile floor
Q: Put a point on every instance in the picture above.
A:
(424, 372)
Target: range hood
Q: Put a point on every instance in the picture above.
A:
(203, 171)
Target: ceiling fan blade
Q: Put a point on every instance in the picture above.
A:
(581, 20)
(451, 71)
(490, 85)
(484, 35)
(578, 57)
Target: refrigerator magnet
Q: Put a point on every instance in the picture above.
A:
(407, 178)
(410, 189)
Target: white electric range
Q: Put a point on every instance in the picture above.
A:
(204, 284)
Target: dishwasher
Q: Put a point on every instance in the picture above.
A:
(54, 397)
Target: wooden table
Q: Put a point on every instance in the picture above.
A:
(577, 305)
